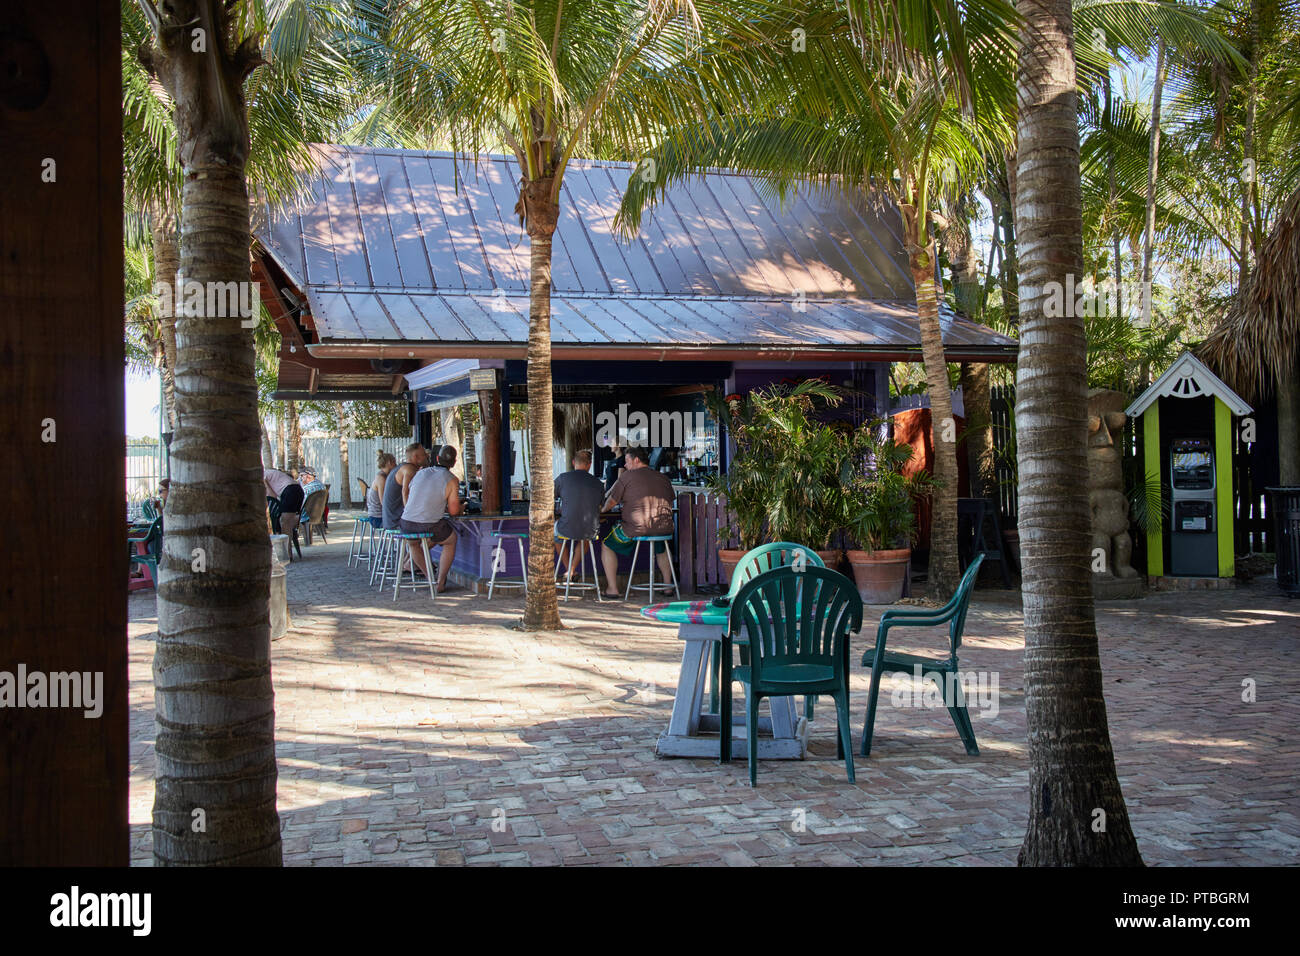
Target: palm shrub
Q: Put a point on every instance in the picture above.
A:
(784, 479)
(879, 497)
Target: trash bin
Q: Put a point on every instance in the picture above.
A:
(1284, 506)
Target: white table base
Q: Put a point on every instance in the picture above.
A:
(693, 733)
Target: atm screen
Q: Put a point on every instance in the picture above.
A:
(1193, 464)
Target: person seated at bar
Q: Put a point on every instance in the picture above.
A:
(429, 499)
(647, 500)
(282, 487)
(374, 494)
(310, 483)
(392, 497)
(581, 493)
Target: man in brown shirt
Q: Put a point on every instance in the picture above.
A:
(647, 499)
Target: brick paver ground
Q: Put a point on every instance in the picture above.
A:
(404, 732)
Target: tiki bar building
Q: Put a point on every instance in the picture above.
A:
(404, 275)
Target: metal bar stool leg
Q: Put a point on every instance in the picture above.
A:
(397, 577)
(498, 556)
(428, 564)
(595, 571)
(673, 569)
(568, 578)
(632, 572)
(352, 547)
(523, 563)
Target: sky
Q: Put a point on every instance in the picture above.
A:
(142, 397)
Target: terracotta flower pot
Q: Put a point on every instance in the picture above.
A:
(729, 558)
(880, 575)
(832, 559)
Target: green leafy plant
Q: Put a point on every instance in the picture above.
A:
(879, 498)
(786, 477)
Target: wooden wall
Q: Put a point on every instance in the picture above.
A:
(63, 776)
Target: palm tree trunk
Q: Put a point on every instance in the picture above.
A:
(166, 260)
(967, 289)
(981, 463)
(1288, 424)
(451, 435)
(267, 454)
(295, 440)
(1112, 203)
(214, 800)
(541, 608)
(1153, 171)
(279, 438)
(345, 474)
(1077, 814)
(944, 571)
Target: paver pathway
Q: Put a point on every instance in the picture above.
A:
(419, 735)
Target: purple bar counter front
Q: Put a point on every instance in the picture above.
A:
(475, 545)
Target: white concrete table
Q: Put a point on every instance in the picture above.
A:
(693, 730)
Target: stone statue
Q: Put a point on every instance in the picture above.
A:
(1113, 575)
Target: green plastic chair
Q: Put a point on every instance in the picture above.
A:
(768, 557)
(148, 510)
(756, 561)
(954, 615)
(151, 538)
(798, 624)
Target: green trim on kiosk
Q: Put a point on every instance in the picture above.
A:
(1151, 448)
(1223, 487)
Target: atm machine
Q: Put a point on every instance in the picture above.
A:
(1193, 546)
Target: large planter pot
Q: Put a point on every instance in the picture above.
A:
(832, 559)
(729, 558)
(880, 575)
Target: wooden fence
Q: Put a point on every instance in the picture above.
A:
(703, 521)
(1002, 403)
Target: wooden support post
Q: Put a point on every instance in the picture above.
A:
(1153, 465)
(1223, 488)
(63, 764)
(489, 407)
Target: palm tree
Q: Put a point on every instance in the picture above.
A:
(551, 81)
(1077, 812)
(907, 99)
(216, 777)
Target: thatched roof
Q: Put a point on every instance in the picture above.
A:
(1255, 343)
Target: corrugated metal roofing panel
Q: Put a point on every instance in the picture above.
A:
(633, 320)
(425, 255)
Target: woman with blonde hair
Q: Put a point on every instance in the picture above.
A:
(385, 463)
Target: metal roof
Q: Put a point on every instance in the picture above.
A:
(410, 253)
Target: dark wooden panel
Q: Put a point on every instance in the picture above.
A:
(63, 776)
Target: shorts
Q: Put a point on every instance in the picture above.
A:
(441, 529)
(618, 541)
(292, 499)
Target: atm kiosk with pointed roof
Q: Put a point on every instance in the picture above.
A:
(1187, 437)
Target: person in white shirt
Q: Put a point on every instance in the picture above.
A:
(428, 500)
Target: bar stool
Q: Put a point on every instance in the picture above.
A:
(582, 584)
(499, 560)
(402, 537)
(387, 552)
(650, 588)
(362, 548)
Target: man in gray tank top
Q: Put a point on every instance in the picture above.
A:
(416, 458)
(430, 498)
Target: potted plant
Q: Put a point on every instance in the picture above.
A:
(880, 516)
(780, 472)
